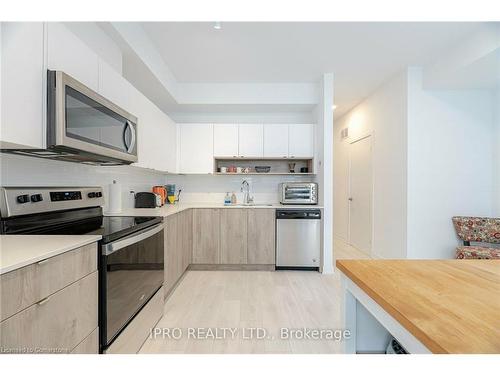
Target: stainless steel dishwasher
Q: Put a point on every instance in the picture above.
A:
(298, 239)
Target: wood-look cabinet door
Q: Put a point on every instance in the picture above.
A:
(185, 228)
(233, 236)
(56, 324)
(25, 286)
(171, 243)
(261, 236)
(206, 230)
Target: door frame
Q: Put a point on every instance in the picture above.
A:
(372, 190)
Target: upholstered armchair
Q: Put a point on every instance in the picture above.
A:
(477, 230)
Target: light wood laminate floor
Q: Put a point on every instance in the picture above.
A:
(251, 299)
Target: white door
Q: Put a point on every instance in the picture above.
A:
(360, 197)
(226, 140)
(276, 140)
(251, 140)
(196, 148)
(301, 140)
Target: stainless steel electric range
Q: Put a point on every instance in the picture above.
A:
(131, 257)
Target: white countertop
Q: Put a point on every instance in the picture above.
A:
(17, 251)
(170, 209)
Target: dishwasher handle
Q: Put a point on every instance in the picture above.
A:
(299, 214)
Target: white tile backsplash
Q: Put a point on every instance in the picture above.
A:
(18, 170)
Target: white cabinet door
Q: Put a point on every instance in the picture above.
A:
(23, 89)
(196, 151)
(226, 140)
(66, 52)
(251, 140)
(301, 140)
(114, 87)
(145, 132)
(276, 140)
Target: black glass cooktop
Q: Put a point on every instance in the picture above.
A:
(114, 227)
(82, 221)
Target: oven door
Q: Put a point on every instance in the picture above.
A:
(81, 119)
(131, 271)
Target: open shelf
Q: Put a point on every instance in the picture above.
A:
(264, 174)
(279, 166)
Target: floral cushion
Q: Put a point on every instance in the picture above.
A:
(477, 229)
(477, 252)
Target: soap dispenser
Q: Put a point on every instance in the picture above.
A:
(227, 199)
(233, 198)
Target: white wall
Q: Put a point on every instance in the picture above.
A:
(450, 163)
(496, 147)
(18, 170)
(382, 115)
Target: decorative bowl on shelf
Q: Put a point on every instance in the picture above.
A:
(262, 169)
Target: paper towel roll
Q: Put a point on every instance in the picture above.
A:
(115, 198)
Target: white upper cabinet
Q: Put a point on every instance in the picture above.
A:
(66, 52)
(115, 88)
(301, 140)
(196, 151)
(276, 140)
(22, 89)
(251, 140)
(226, 140)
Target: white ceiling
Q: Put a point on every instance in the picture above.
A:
(361, 55)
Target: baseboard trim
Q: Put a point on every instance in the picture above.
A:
(231, 267)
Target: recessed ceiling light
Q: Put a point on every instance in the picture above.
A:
(217, 26)
(334, 107)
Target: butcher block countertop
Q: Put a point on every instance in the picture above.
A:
(451, 306)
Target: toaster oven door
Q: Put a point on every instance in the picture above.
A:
(298, 194)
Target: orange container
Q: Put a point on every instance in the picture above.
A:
(162, 192)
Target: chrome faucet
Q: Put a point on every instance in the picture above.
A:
(245, 188)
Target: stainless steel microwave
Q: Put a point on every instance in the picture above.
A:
(86, 127)
(298, 193)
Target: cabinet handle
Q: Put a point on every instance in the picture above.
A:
(43, 301)
(42, 262)
(292, 156)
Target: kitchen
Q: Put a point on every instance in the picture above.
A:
(134, 216)
(202, 231)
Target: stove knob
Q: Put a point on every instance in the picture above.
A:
(36, 198)
(23, 198)
(98, 194)
(91, 195)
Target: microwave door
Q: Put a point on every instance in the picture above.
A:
(87, 122)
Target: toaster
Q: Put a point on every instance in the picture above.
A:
(147, 199)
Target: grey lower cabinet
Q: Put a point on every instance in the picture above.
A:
(178, 247)
(261, 236)
(51, 306)
(234, 236)
(206, 236)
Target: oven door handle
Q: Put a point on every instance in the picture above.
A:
(110, 248)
